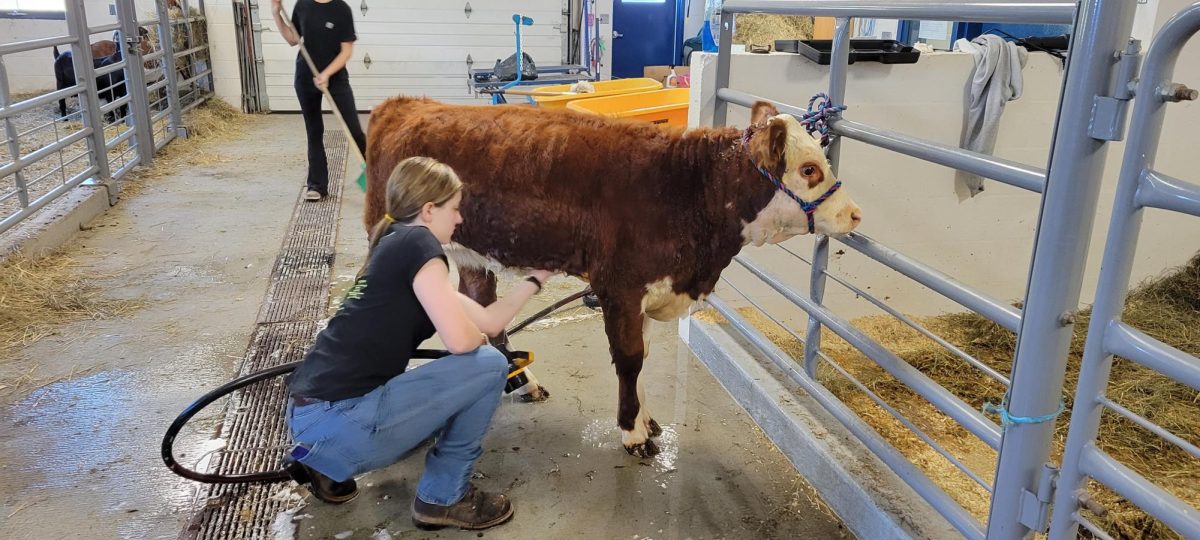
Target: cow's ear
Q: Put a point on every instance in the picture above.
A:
(767, 147)
(761, 111)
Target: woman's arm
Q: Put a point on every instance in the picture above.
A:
(284, 28)
(493, 319)
(336, 65)
(441, 302)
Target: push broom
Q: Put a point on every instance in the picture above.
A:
(362, 176)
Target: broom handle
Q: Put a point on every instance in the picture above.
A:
(324, 90)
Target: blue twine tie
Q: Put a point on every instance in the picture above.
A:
(1007, 419)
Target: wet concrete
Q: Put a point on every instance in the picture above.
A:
(562, 463)
(81, 459)
(85, 409)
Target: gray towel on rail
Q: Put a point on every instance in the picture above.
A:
(995, 81)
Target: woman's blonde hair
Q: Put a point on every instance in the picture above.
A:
(413, 183)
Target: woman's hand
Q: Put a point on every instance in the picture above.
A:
(542, 275)
(321, 80)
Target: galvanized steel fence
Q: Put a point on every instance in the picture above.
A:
(162, 69)
(1026, 490)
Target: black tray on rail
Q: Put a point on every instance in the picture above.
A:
(886, 51)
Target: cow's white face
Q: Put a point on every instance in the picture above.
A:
(783, 143)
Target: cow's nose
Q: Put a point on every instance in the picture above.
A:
(856, 217)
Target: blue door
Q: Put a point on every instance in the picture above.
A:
(645, 33)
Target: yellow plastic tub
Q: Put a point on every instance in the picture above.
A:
(603, 88)
(668, 106)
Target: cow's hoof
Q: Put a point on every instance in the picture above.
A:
(643, 450)
(654, 429)
(591, 301)
(537, 395)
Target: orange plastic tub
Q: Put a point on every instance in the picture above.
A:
(603, 88)
(668, 106)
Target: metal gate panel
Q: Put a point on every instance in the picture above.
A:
(1069, 184)
(1139, 187)
(118, 135)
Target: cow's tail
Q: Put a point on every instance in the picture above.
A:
(56, 53)
(465, 257)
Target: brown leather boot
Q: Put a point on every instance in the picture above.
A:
(478, 509)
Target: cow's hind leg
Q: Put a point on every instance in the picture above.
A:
(652, 427)
(623, 324)
(480, 285)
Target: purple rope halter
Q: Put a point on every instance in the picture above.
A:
(815, 120)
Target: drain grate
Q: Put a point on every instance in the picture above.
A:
(254, 429)
(300, 285)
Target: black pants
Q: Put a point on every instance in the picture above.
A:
(310, 104)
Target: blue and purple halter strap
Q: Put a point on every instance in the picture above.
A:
(816, 120)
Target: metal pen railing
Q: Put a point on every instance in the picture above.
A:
(1069, 185)
(35, 154)
(1139, 187)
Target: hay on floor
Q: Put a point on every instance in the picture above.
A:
(37, 296)
(1167, 308)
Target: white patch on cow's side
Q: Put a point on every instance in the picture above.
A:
(465, 257)
(661, 303)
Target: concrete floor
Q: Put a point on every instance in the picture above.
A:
(80, 455)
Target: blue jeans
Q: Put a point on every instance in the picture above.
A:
(454, 397)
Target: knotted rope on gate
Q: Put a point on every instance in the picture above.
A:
(820, 110)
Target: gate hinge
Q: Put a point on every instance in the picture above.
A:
(1109, 112)
(1035, 509)
(132, 44)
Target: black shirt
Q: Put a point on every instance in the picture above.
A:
(324, 28)
(380, 324)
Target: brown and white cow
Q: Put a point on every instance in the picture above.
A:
(649, 215)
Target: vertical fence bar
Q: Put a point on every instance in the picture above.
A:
(135, 81)
(1064, 227)
(1145, 132)
(260, 68)
(167, 44)
(838, 65)
(10, 133)
(89, 100)
(725, 39)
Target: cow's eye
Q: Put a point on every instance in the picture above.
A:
(808, 170)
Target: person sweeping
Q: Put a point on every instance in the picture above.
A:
(324, 30)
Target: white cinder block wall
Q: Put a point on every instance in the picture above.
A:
(222, 41)
(912, 206)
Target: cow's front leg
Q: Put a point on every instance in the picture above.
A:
(623, 324)
(480, 285)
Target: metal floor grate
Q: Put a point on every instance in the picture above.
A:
(254, 428)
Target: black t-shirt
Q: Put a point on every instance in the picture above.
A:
(324, 27)
(380, 324)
